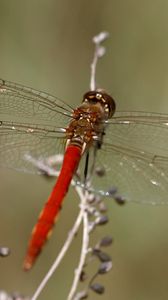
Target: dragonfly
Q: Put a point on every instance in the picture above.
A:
(131, 148)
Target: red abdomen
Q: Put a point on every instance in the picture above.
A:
(51, 209)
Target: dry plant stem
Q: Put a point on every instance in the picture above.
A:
(85, 245)
(63, 250)
(99, 52)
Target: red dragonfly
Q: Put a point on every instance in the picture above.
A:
(131, 148)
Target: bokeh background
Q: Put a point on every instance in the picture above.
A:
(47, 45)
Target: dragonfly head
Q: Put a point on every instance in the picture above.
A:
(105, 100)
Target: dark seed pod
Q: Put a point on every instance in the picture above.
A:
(119, 199)
(97, 288)
(103, 257)
(106, 241)
(105, 267)
(100, 171)
(102, 220)
(112, 191)
(83, 276)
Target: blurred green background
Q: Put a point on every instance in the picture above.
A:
(47, 45)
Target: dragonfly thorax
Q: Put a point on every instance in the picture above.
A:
(88, 123)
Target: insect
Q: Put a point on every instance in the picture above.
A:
(130, 148)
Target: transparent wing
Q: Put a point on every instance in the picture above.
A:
(31, 122)
(145, 132)
(134, 156)
(24, 104)
(17, 141)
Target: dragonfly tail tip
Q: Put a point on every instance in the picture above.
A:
(27, 265)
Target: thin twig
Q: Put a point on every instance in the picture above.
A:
(99, 52)
(85, 245)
